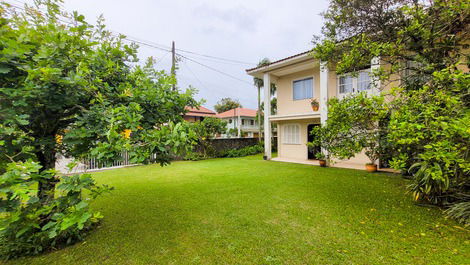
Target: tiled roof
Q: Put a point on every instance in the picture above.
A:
(278, 61)
(237, 112)
(200, 112)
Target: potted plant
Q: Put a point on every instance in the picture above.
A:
(371, 167)
(372, 149)
(314, 103)
(321, 159)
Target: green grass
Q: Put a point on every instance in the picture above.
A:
(250, 211)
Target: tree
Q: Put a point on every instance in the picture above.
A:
(425, 46)
(226, 104)
(207, 129)
(353, 125)
(74, 89)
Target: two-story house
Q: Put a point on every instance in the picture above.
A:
(197, 114)
(299, 78)
(241, 122)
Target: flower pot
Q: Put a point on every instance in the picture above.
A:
(322, 163)
(371, 168)
(315, 108)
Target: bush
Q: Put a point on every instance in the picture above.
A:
(353, 125)
(431, 131)
(30, 226)
(460, 212)
(246, 151)
(193, 156)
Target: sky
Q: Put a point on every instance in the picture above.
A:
(242, 31)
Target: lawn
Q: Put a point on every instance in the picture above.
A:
(250, 211)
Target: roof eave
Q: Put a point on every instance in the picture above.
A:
(278, 64)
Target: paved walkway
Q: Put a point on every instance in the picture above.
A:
(337, 164)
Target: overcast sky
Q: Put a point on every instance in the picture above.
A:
(244, 31)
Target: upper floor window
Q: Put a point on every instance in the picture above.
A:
(291, 134)
(230, 121)
(303, 88)
(349, 84)
(252, 122)
(363, 81)
(243, 121)
(345, 84)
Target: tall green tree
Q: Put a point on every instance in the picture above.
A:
(226, 104)
(424, 46)
(68, 87)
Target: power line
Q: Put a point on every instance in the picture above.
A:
(215, 70)
(164, 48)
(216, 57)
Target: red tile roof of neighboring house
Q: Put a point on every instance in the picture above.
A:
(236, 112)
(200, 112)
(278, 61)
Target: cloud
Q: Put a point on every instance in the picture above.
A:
(243, 30)
(237, 19)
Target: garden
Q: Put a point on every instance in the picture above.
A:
(250, 211)
(71, 88)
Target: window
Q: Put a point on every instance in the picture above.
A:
(252, 122)
(363, 81)
(230, 121)
(349, 84)
(345, 84)
(303, 88)
(243, 121)
(291, 134)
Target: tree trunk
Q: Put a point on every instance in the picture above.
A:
(46, 187)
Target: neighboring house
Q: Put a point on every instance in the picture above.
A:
(241, 122)
(300, 78)
(197, 114)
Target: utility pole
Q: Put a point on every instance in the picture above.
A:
(173, 63)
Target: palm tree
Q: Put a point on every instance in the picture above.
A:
(259, 84)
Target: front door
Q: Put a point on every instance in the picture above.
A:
(312, 150)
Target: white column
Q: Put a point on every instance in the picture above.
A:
(375, 81)
(267, 114)
(239, 123)
(324, 75)
(324, 72)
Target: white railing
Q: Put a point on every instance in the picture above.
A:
(91, 164)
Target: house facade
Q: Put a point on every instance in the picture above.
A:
(241, 122)
(299, 79)
(197, 114)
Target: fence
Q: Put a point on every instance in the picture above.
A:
(91, 164)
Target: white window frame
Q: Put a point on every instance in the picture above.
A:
(338, 83)
(355, 83)
(291, 138)
(300, 79)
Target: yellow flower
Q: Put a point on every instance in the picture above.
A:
(58, 138)
(126, 133)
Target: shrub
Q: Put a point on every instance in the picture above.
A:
(245, 151)
(353, 125)
(30, 226)
(193, 156)
(434, 123)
